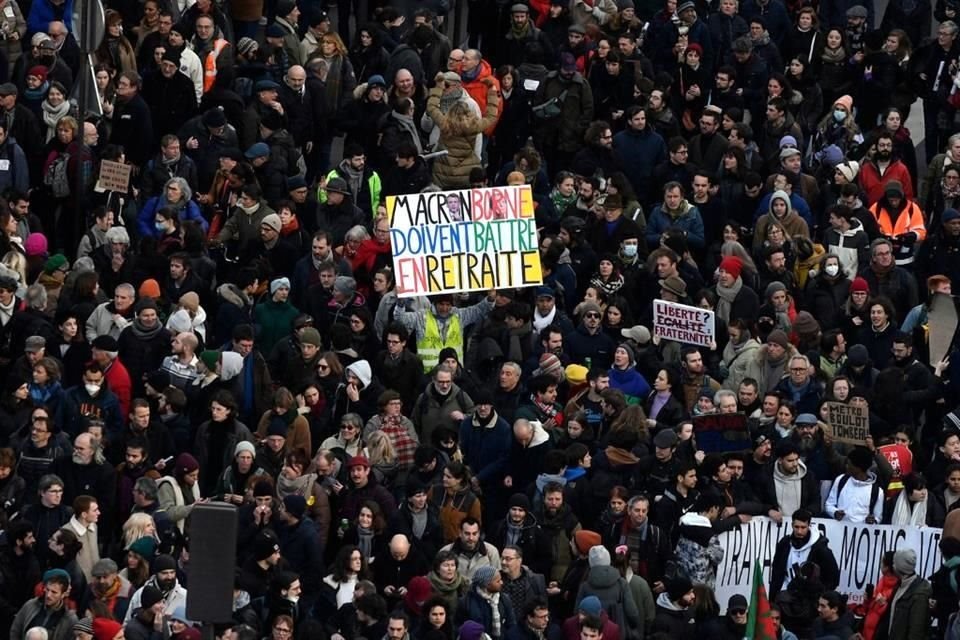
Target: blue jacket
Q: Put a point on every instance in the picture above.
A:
(630, 382)
(145, 217)
(640, 152)
(78, 406)
(14, 172)
(486, 449)
(300, 546)
(42, 14)
(690, 221)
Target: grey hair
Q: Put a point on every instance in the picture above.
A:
(879, 241)
(950, 24)
(357, 233)
(148, 487)
(443, 369)
(352, 419)
(955, 138)
(126, 286)
(37, 633)
(37, 297)
(184, 187)
(118, 235)
(513, 365)
(721, 394)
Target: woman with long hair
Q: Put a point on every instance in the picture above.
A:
(455, 499)
(382, 300)
(616, 317)
(836, 77)
(368, 532)
(284, 417)
(55, 108)
(177, 195)
(367, 55)
(217, 439)
(115, 49)
(664, 409)
(459, 128)
(513, 128)
(139, 556)
(447, 581)
(341, 80)
(349, 567)
(383, 458)
(436, 620)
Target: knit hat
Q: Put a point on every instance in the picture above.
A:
(164, 562)
(149, 596)
(56, 262)
(788, 141)
(666, 439)
(214, 118)
(185, 464)
(850, 169)
(483, 575)
(448, 352)
(278, 284)
(150, 288)
(144, 304)
(104, 567)
(144, 547)
(35, 245)
(576, 374)
(210, 358)
(285, 7)
(257, 150)
(585, 540)
(311, 336)
(246, 46)
(742, 45)
(773, 288)
(180, 615)
(50, 574)
(415, 485)
(105, 343)
(358, 461)
(861, 458)
(894, 188)
(277, 427)
(295, 505)
(590, 605)
(846, 102)
(732, 265)
(905, 562)
(632, 357)
(419, 590)
(471, 630)
(519, 500)
(598, 556)
(345, 285)
(859, 285)
(805, 323)
(778, 337)
(832, 155)
(550, 364)
(106, 629)
(262, 489)
(678, 587)
(949, 215)
(272, 221)
(83, 625)
(38, 71)
(244, 445)
(274, 31)
(171, 55)
(568, 63)
(265, 545)
(589, 307)
(376, 80)
(858, 356)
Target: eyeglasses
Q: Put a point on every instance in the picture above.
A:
(593, 315)
(737, 612)
(393, 342)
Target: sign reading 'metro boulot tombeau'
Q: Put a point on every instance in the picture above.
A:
(467, 240)
(848, 424)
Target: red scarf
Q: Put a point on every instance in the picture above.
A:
(367, 254)
(291, 227)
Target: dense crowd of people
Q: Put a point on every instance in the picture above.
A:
(225, 326)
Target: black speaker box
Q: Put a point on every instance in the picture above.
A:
(213, 550)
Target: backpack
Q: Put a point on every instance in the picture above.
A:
(56, 176)
(874, 490)
(615, 613)
(552, 108)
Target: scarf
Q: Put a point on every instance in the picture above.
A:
(520, 33)
(833, 56)
(301, 486)
(514, 531)
(560, 201)
(146, 333)
(949, 192)
(727, 295)
(470, 76)
(493, 599)
(36, 95)
(6, 312)
(52, 115)
(365, 542)
(354, 178)
(489, 424)
(334, 77)
(367, 254)
(418, 523)
(783, 317)
(774, 369)
(109, 596)
(952, 564)
(548, 410)
(447, 100)
(291, 227)
(609, 287)
(405, 123)
(903, 514)
(542, 322)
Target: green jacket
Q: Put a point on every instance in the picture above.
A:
(276, 322)
(374, 187)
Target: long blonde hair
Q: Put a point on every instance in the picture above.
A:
(137, 526)
(380, 448)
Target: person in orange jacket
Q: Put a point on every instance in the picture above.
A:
(901, 220)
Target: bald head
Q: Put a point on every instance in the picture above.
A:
(399, 546)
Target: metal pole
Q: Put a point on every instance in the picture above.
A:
(89, 15)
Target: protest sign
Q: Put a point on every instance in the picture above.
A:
(114, 176)
(467, 240)
(719, 432)
(683, 323)
(848, 424)
(858, 549)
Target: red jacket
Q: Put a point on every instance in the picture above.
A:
(571, 628)
(118, 379)
(873, 184)
(478, 91)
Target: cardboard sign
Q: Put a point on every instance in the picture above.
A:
(683, 323)
(721, 432)
(942, 320)
(114, 176)
(848, 424)
(467, 240)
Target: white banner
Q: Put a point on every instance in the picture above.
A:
(683, 323)
(858, 549)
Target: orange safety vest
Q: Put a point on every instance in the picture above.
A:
(910, 219)
(210, 64)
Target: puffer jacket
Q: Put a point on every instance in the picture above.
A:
(457, 138)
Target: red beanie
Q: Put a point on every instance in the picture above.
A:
(732, 265)
(586, 540)
(104, 629)
(859, 285)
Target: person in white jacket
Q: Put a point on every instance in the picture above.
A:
(857, 495)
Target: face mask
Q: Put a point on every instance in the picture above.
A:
(832, 270)
(839, 115)
(248, 210)
(630, 250)
(160, 226)
(92, 389)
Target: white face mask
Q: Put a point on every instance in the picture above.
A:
(630, 250)
(92, 389)
(832, 269)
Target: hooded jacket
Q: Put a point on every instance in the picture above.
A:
(698, 552)
(792, 222)
(366, 406)
(855, 498)
(815, 549)
(432, 410)
(801, 489)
